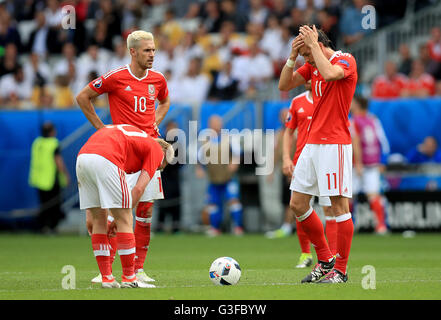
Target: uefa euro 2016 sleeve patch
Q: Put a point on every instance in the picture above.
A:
(97, 83)
(344, 62)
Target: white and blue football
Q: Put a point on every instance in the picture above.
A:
(225, 271)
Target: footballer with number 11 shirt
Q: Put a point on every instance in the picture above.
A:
(132, 91)
(324, 167)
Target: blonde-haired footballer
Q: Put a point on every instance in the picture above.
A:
(132, 91)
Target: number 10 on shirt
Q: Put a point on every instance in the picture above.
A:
(142, 102)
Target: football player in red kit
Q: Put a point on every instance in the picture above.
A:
(102, 164)
(132, 91)
(324, 167)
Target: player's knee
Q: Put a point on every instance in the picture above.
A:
(144, 209)
(298, 206)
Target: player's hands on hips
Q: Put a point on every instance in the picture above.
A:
(296, 44)
(155, 126)
(111, 229)
(310, 36)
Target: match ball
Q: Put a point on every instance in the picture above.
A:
(225, 271)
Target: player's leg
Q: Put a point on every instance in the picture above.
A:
(215, 209)
(303, 185)
(143, 222)
(235, 206)
(126, 245)
(336, 182)
(372, 187)
(100, 246)
(330, 224)
(143, 226)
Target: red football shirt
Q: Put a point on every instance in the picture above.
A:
(425, 81)
(383, 87)
(299, 117)
(126, 146)
(332, 100)
(132, 99)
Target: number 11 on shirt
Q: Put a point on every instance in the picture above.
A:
(329, 180)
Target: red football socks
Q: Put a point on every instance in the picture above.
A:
(331, 234)
(345, 231)
(126, 251)
(313, 227)
(305, 244)
(100, 247)
(142, 233)
(378, 208)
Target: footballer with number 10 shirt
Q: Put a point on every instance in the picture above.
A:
(324, 167)
(132, 91)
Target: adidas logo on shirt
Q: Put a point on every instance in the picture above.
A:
(128, 88)
(315, 72)
(300, 110)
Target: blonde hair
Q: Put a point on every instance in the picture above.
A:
(167, 148)
(134, 38)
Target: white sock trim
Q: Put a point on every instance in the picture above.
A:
(330, 218)
(145, 220)
(305, 215)
(125, 252)
(343, 217)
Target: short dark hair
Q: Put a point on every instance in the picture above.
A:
(47, 128)
(364, 103)
(322, 37)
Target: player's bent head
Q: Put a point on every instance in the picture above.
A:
(169, 152)
(322, 38)
(135, 37)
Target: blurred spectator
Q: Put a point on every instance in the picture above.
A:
(15, 90)
(101, 36)
(93, 59)
(229, 12)
(62, 93)
(328, 23)
(212, 61)
(425, 152)
(258, 12)
(405, 59)
(211, 16)
(194, 86)
(120, 54)
(420, 83)
(280, 9)
(272, 42)
(67, 66)
(37, 72)
(171, 28)
(40, 40)
(350, 23)
(48, 174)
(295, 21)
(9, 61)
(224, 86)
(223, 186)
(111, 14)
(8, 31)
(390, 84)
(434, 48)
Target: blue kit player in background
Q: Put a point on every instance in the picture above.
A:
(223, 187)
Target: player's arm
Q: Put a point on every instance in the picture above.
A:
(84, 100)
(288, 141)
(138, 189)
(328, 71)
(162, 110)
(290, 79)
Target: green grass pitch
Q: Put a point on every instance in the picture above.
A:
(405, 268)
